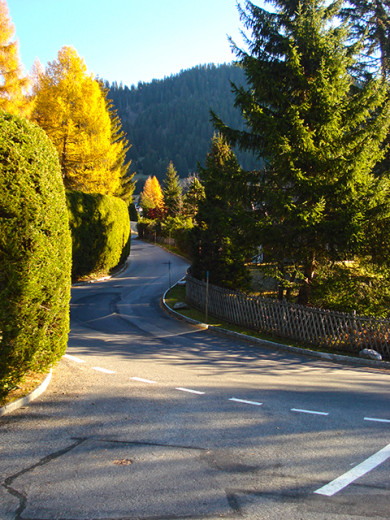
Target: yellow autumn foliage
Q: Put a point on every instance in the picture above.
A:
(13, 84)
(152, 195)
(72, 108)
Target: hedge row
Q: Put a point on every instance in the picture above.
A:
(100, 228)
(35, 252)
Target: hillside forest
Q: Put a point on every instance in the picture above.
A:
(169, 119)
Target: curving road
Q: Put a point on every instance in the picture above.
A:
(151, 418)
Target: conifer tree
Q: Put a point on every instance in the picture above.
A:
(13, 84)
(151, 197)
(157, 193)
(370, 22)
(172, 192)
(318, 132)
(146, 197)
(71, 107)
(120, 144)
(220, 238)
(193, 196)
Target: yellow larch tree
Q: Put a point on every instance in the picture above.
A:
(13, 84)
(72, 108)
(158, 196)
(152, 196)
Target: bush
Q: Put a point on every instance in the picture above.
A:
(353, 286)
(35, 253)
(100, 227)
(133, 213)
(148, 228)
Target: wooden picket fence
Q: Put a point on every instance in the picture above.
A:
(311, 326)
(151, 237)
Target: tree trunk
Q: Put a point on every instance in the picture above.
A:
(292, 281)
(305, 290)
(280, 284)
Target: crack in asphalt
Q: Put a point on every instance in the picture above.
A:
(22, 498)
(7, 484)
(141, 443)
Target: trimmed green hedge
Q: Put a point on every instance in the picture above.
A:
(133, 213)
(100, 228)
(35, 252)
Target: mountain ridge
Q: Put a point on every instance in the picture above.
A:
(169, 119)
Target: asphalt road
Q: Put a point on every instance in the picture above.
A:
(148, 417)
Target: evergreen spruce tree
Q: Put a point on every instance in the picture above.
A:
(220, 241)
(370, 23)
(318, 132)
(120, 144)
(172, 192)
(193, 196)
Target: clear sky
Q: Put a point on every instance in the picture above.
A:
(128, 40)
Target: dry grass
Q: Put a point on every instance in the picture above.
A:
(29, 383)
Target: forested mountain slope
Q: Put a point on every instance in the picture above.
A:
(169, 120)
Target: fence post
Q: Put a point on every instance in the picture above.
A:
(207, 297)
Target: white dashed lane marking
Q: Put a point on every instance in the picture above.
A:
(104, 370)
(358, 471)
(255, 403)
(74, 358)
(234, 399)
(189, 390)
(377, 420)
(142, 380)
(300, 410)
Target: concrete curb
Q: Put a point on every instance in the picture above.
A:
(27, 398)
(106, 277)
(336, 358)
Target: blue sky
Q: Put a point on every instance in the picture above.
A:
(128, 40)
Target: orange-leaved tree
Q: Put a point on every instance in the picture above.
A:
(152, 197)
(72, 108)
(13, 84)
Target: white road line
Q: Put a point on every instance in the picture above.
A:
(255, 403)
(308, 411)
(358, 471)
(377, 420)
(141, 380)
(105, 370)
(74, 358)
(189, 390)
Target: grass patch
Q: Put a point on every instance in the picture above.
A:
(178, 294)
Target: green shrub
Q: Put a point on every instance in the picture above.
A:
(35, 252)
(148, 228)
(133, 213)
(100, 227)
(183, 241)
(353, 286)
